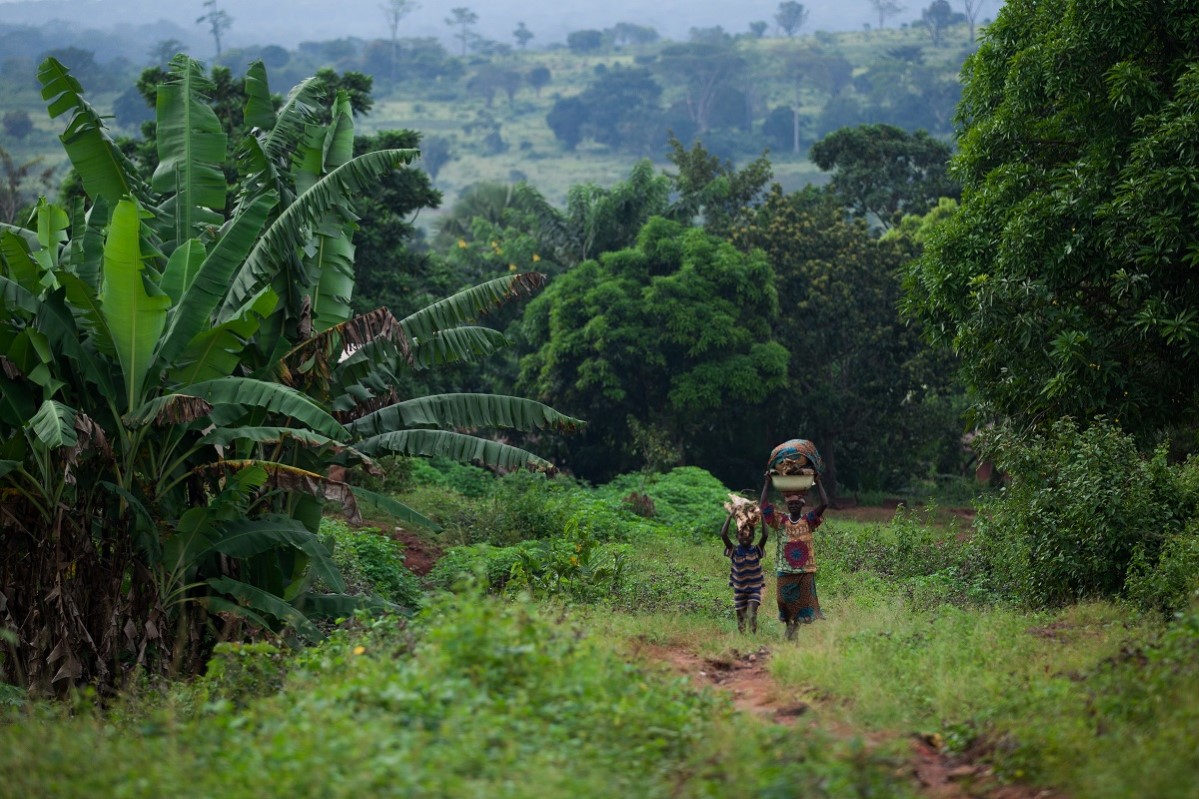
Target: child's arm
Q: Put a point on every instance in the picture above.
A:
(724, 532)
(765, 535)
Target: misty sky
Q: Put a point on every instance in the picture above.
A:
(287, 22)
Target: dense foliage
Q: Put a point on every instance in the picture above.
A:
(1080, 508)
(1066, 281)
(880, 406)
(671, 332)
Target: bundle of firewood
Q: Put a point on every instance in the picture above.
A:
(746, 513)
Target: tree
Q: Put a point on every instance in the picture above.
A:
(936, 19)
(790, 17)
(623, 33)
(178, 384)
(620, 109)
(883, 172)
(1066, 280)
(715, 191)
(585, 41)
(539, 77)
(669, 333)
(164, 50)
(522, 35)
(394, 12)
(567, 118)
(217, 20)
(971, 9)
(464, 20)
(702, 68)
(861, 384)
(758, 28)
(885, 9)
(15, 193)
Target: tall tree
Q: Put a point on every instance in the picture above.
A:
(885, 9)
(790, 17)
(936, 19)
(218, 21)
(670, 333)
(394, 12)
(464, 20)
(883, 172)
(702, 68)
(522, 35)
(1066, 282)
(861, 384)
(971, 9)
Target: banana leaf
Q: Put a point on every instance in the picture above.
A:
(249, 537)
(455, 446)
(467, 306)
(102, 167)
(271, 397)
(135, 317)
(464, 411)
(191, 149)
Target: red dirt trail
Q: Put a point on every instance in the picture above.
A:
(745, 677)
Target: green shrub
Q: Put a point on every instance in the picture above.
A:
(686, 498)
(489, 565)
(1079, 504)
(1172, 583)
(396, 475)
(372, 563)
(238, 673)
(467, 480)
(573, 565)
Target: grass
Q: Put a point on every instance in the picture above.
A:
(486, 696)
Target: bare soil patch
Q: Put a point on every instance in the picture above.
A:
(744, 675)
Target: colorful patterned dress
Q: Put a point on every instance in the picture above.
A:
(795, 565)
(745, 574)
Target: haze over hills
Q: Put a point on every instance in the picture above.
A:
(288, 22)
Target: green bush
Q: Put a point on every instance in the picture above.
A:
(927, 563)
(573, 565)
(686, 498)
(372, 563)
(1079, 504)
(238, 673)
(484, 563)
(1172, 583)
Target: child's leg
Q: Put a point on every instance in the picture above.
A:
(740, 620)
(753, 616)
(740, 603)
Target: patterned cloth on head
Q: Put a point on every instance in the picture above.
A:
(799, 451)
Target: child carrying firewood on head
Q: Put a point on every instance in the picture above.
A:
(745, 571)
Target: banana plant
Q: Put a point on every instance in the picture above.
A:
(181, 373)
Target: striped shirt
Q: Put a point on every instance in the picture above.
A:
(746, 571)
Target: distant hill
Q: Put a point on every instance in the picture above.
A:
(288, 22)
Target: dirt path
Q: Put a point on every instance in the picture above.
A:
(745, 677)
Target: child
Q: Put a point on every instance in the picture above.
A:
(795, 563)
(745, 572)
